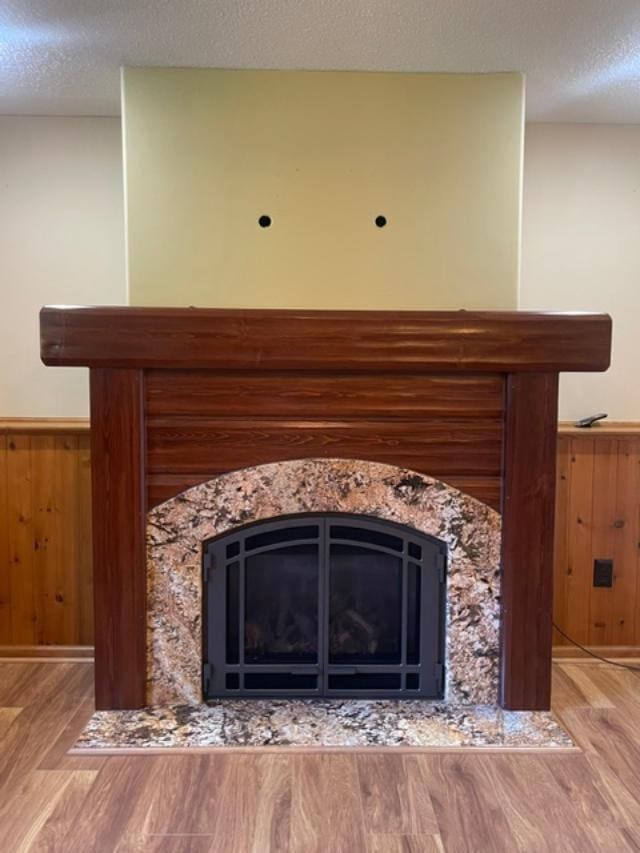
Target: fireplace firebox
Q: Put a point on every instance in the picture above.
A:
(329, 604)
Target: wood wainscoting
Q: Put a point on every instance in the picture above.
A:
(598, 517)
(46, 596)
(45, 537)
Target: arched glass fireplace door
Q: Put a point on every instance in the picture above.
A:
(324, 605)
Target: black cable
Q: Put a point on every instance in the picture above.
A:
(593, 654)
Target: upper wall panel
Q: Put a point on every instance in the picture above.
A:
(209, 152)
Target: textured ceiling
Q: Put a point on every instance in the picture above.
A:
(581, 57)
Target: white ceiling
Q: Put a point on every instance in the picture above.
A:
(581, 57)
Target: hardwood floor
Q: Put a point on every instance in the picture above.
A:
(374, 802)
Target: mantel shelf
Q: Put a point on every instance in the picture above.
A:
(374, 341)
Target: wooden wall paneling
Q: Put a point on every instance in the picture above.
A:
(580, 507)
(67, 573)
(601, 512)
(20, 540)
(561, 536)
(47, 548)
(625, 594)
(84, 549)
(527, 540)
(5, 566)
(45, 534)
(118, 489)
(603, 536)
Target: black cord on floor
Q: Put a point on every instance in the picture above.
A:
(594, 655)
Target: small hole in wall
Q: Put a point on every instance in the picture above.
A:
(264, 221)
(381, 221)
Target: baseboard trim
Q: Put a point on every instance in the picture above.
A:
(563, 652)
(607, 429)
(50, 652)
(44, 425)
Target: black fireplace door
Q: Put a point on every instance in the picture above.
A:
(324, 605)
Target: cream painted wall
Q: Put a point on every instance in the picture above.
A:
(581, 248)
(61, 241)
(208, 151)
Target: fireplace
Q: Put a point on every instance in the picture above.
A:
(205, 422)
(324, 605)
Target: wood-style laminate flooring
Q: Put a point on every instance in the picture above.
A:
(377, 802)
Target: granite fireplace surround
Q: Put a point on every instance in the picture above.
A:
(177, 529)
(206, 420)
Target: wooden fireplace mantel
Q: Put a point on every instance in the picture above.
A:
(179, 395)
(395, 341)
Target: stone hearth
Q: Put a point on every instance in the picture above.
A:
(321, 723)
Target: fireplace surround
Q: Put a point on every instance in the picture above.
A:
(427, 511)
(460, 406)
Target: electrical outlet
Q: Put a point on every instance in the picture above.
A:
(603, 572)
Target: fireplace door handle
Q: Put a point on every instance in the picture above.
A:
(343, 670)
(302, 669)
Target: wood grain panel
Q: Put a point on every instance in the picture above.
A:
(209, 394)
(561, 531)
(5, 572)
(82, 520)
(119, 517)
(202, 423)
(527, 541)
(22, 581)
(580, 507)
(603, 535)
(600, 511)
(45, 538)
(370, 341)
(48, 560)
(445, 446)
(625, 595)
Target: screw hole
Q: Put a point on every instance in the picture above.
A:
(381, 221)
(264, 221)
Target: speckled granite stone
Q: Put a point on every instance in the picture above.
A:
(322, 723)
(177, 529)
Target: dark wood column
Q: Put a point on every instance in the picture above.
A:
(531, 423)
(117, 444)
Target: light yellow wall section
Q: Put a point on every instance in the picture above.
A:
(208, 151)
